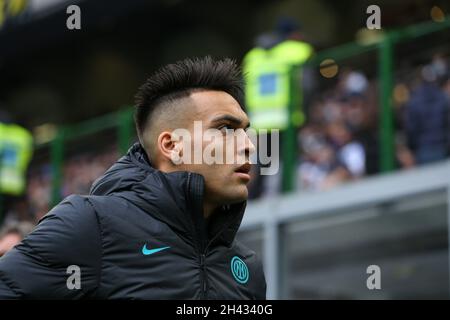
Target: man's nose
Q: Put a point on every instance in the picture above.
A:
(247, 147)
(250, 147)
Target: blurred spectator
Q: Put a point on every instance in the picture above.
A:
(319, 168)
(16, 148)
(446, 84)
(11, 234)
(348, 151)
(38, 193)
(404, 156)
(267, 69)
(339, 134)
(426, 119)
(354, 82)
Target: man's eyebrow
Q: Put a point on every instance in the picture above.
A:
(231, 119)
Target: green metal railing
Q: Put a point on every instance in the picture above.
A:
(123, 120)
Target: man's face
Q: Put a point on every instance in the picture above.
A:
(225, 182)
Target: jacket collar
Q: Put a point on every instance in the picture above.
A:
(175, 198)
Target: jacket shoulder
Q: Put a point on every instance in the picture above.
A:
(68, 232)
(68, 235)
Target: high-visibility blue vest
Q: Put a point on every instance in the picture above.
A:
(267, 82)
(16, 148)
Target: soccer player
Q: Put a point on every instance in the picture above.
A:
(154, 227)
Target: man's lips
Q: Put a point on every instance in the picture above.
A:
(245, 168)
(244, 171)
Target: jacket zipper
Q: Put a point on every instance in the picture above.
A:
(202, 251)
(203, 246)
(204, 283)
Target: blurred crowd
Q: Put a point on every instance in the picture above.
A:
(79, 172)
(338, 143)
(340, 140)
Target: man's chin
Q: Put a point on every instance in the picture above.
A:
(237, 198)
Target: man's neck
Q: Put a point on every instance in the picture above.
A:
(208, 209)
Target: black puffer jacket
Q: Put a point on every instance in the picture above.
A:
(139, 235)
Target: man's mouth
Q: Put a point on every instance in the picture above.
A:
(244, 171)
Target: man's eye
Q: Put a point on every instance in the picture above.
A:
(227, 130)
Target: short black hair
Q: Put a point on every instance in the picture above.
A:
(181, 78)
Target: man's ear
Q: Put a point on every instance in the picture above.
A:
(169, 147)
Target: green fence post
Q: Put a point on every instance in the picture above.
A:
(386, 125)
(57, 158)
(125, 129)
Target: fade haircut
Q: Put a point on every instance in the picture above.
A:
(178, 80)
